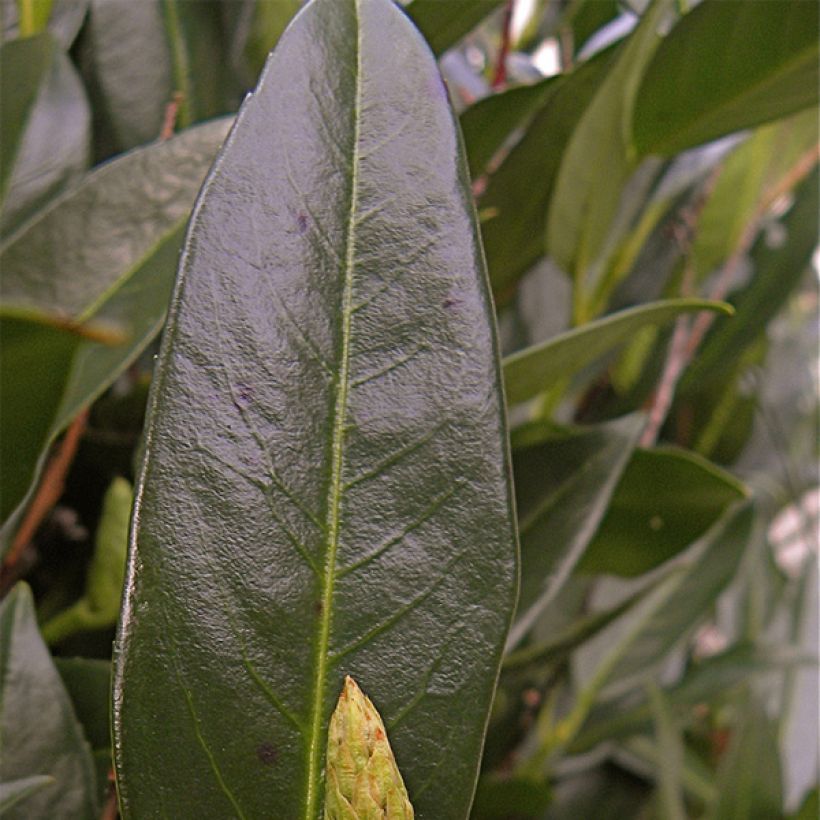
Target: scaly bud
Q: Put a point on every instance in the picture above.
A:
(362, 780)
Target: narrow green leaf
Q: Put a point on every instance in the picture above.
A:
(325, 488)
(726, 66)
(703, 682)
(270, 19)
(666, 499)
(131, 64)
(136, 207)
(563, 486)
(64, 21)
(534, 369)
(23, 66)
(598, 162)
(749, 778)
(38, 730)
(669, 759)
(15, 791)
(443, 24)
(33, 16)
(776, 272)
(99, 606)
(514, 237)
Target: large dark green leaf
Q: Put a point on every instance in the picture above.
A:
(40, 733)
(728, 65)
(443, 24)
(666, 499)
(325, 488)
(530, 371)
(135, 208)
(563, 488)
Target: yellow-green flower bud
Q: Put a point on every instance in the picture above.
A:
(362, 780)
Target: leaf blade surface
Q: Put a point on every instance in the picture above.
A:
(325, 490)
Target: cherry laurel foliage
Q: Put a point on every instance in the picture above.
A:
(323, 485)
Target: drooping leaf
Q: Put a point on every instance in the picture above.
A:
(53, 147)
(131, 60)
(726, 66)
(39, 731)
(563, 487)
(325, 488)
(598, 162)
(519, 192)
(99, 606)
(530, 371)
(666, 499)
(23, 65)
(136, 208)
(444, 24)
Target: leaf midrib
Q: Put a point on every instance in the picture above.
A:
(335, 489)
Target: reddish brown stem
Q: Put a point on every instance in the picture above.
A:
(49, 492)
(500, 75)
(169, 120)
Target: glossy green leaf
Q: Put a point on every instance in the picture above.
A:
(23, 66)
(136, 207)
(749, 777)
(325, 488)
(53, 149)
(489, 123)
(443, 24)
(519, 192)
(100, 604)
(39, 731)
(131, 60)
(563, 488)
(597, 162)
(726, 66)
(666, 499)
(14, 791)
(670, 756)
(534, 369)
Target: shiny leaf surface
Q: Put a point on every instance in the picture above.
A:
(325, 488)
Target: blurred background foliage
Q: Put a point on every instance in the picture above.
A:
(633, 163)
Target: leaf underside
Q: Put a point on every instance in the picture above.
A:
(325, 488)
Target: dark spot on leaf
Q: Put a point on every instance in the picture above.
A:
(318, 608)
(244, 394)
(301, 222)
(267, 753)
